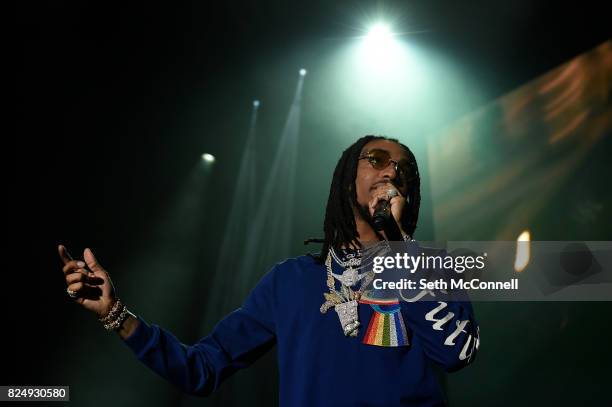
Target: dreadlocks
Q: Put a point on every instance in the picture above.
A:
(339, 225)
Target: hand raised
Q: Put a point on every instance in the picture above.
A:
(89, 281)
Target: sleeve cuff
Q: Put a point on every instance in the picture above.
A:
(139, 339)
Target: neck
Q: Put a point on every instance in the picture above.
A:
(367, 234)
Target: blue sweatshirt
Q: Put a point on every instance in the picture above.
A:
(387, 364)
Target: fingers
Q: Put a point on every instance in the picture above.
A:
(85, 291)
(77, 277)
(374, 201)
(63, 253)
(84, 283)
(87, 279)
(81, 277)
(372, 205)
(388, 190)
(91, 261)
(70, 266)
(73, 266)
(381, 193)
(396, 199)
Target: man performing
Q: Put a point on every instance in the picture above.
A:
(369, 352)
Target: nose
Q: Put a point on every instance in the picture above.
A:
(390, 171)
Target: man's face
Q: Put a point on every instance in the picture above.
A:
(370, 179)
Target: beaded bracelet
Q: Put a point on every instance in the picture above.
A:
(116, 317)
(116, 324)
(113, 313)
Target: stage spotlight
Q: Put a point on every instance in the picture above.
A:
(209, 158)
(303, 72)
(523, 251)
(380, 46)
(256, 103)
(382, 55)
(379, 35)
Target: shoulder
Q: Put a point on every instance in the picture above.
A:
(300, 263)
(292, 270)
(297, 270)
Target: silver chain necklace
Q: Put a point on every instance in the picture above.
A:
(345, 301)
(350, 276)
(352, 261)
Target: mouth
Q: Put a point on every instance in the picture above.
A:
(378, 184)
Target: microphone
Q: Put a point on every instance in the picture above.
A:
(382, 211)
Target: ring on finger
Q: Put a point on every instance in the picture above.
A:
(71, 294)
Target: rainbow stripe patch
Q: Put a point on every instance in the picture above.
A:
(386, 326)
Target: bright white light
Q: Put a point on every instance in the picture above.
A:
(256, 103)
(380, 34)
(382, 54)
(523, 251)
(303, 72)
(209, 158)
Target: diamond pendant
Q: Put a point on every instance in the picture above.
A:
(349, 318)
(349, 277)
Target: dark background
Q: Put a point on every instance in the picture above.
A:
(115, 102)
